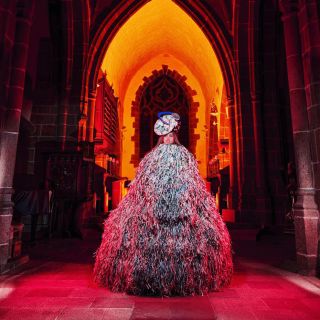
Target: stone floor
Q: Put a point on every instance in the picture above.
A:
(57, 284)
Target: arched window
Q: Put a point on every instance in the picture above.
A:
(162, 94)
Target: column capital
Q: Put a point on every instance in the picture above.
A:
(288, 7)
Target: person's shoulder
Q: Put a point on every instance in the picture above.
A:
(186, 152)
(182, 147)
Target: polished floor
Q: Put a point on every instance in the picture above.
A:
(57, 284)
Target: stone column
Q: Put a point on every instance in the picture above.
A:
(10, 129)
(232, 154)
(249, 152)
(309, 23)
(67, 63)
(263, 207)
(262, 198)
(305, 209)
(63, 117)
(7, 30)
(90, 115)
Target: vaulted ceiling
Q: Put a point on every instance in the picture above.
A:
(162, 32)
(222, 9)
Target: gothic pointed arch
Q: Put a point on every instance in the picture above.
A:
(108, 24)
(164, 90)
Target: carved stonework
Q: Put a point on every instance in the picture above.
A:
(164, 90)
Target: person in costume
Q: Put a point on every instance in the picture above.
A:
(166, 237)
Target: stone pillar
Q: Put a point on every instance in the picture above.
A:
(63, 117)
(262, 199)
(10, 129)
(67, 63)
(274, 139)
(309, 22)
(7, 30)
(305, 209)
(245, 51)
(90, 116)
(233, 196)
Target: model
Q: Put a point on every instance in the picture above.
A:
(166, 237)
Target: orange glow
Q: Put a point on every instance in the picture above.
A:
(162, 33)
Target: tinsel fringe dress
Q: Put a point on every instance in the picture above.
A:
(166, 237)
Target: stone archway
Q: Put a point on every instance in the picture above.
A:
(103, 33)
(219, 38)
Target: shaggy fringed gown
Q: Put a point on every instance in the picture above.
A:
(166, 237)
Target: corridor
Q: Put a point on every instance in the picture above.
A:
(57, 284)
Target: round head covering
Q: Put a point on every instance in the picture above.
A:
(167, 122)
